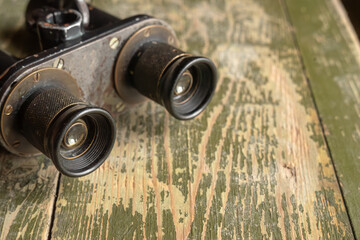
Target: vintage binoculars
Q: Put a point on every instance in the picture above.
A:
(87, 56)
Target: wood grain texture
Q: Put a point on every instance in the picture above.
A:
(254, 165)
(331, 55)
(27, 185)
(27, 190)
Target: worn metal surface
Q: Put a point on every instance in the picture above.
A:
(94, 77)
(253, 165)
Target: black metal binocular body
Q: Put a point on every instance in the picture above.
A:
(48, 100)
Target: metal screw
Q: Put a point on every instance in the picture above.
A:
(114, 43)
(37, 77)
(8, 110)
(171, 40)
(16, 144)
(59, 63)
(120, 107)
(147, 33)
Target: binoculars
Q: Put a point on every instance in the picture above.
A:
(49, 101)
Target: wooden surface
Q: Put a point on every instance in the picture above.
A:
(332, 63)
(254, 165)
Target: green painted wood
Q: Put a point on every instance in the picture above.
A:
(27, 185)
(254, 165)
(331, 54)
(27, 190)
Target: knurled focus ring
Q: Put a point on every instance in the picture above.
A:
(40, 111)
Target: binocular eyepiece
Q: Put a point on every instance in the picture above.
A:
(76, 136)
(182, 83)
(43, 113)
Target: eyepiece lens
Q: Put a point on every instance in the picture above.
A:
(79, 138)
(184, 84)
(76, 135)
(191, 81)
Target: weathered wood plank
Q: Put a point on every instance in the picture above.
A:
(27, 190)
(331, 54)
(27, 186)
(254, 165)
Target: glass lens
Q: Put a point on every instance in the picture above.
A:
(76, 135)
(184, 83)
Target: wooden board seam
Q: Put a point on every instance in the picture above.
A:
(301, 60)
(53, 210)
